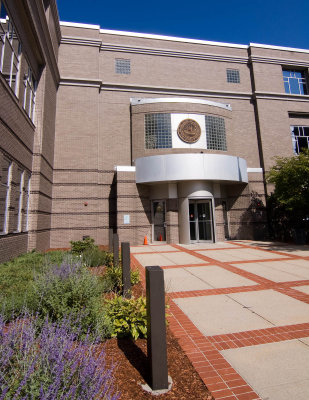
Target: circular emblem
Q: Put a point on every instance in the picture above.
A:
(189, 131)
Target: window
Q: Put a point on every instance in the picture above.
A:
(158, 131)
(122, 66)
(10, 49)
(233, 76)
(5, 185)
(29, 93)
(300, 138)
(294, 81)
(19, 200)
(215, 133)
(25, 213)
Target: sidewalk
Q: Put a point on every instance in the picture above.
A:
(240, 310)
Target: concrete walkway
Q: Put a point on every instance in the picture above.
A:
(240, 310)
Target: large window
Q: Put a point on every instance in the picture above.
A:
(10, 49)
(294, 81)
(158, 131)
(300, 138)
(5, 186)
(215, 133)
(29, 92)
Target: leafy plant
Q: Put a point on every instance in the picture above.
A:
(95, 257)
(51, 364)
(70, 289)
(291, 179)
(80, 246)
(17, 276)
(113, 278)
(128, 317)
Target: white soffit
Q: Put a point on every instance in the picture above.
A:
(79, 25)
(144, 100)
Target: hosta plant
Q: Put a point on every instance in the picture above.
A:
(128, 317)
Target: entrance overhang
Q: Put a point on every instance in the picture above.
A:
(184, 167)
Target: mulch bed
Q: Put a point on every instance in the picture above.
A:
(132, 368)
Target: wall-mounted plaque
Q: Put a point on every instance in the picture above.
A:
(189, 131)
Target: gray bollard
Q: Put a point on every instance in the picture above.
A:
(110, 240)
(116, 248)
(156, 328)
(126, 269)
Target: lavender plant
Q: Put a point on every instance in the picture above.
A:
(70, 289)
(51, 365)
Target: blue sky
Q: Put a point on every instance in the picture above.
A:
(276, 22)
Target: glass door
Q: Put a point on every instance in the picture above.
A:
(200, 217)
(158, 221)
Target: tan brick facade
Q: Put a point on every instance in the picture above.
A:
(85, 126)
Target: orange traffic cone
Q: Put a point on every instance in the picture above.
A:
(145, 240)
(160, 238)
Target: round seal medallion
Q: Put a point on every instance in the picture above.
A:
(189, 131)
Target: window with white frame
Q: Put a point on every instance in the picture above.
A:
(26, 197)
(122, 66)
(295, 81)
(5, 185)
(29, 92)
(19, 200)
(300, 138)
(10, 49)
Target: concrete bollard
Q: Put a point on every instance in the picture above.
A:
(126, 269)
(116, 248)
(156, 328)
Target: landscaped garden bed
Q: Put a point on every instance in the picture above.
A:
(67, 333)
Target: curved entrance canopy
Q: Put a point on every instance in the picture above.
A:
(184, 167)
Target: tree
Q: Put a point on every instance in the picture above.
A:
(291, 195)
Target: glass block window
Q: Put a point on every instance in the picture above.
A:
(122, 66)
(300, 138)
(215, 133)
(158, 131)
(294, 81)
(233, 76)
(10, 49)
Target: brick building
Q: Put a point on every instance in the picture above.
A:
(155, 136)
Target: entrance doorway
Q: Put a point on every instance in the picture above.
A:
(201, 224)
(158, 220)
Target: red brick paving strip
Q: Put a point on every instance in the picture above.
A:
(203, 351)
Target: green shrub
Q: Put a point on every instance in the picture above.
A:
(80, 246)
(128, 317)
(17, 276)
(70, 289)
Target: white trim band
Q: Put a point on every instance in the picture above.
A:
(254, 170)
(140, 100)
(124, 168)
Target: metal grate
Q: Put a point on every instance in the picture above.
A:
(215, 133)
(158, 131)
(122, 66)
(233, 76)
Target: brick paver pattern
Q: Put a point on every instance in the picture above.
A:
(204, 351)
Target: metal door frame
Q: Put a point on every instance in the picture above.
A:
(195, 201)
(152, 219)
